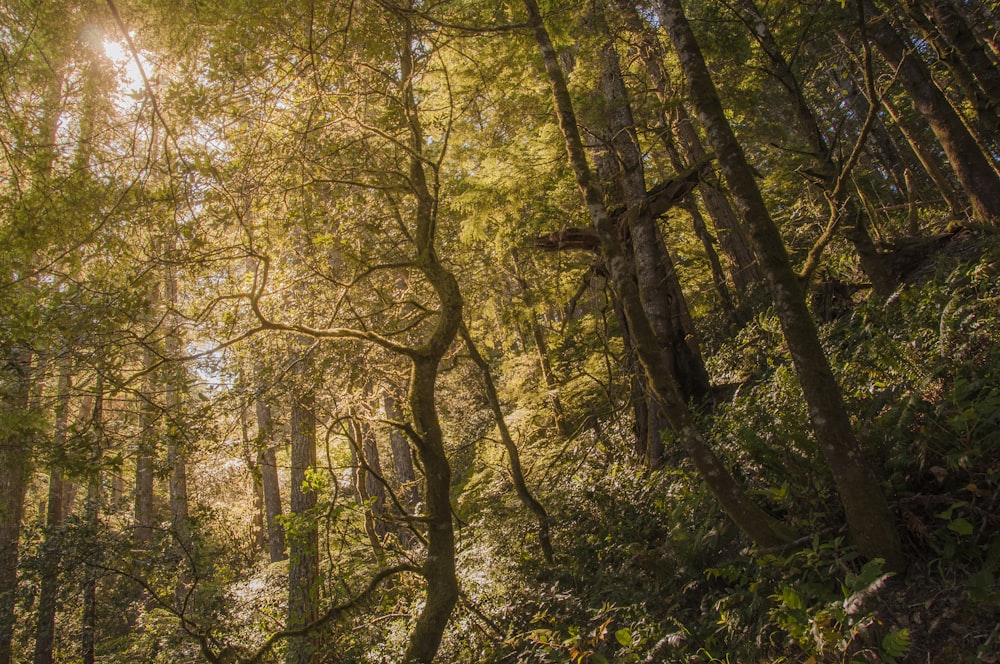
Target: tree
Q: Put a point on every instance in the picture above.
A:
(761, 527)
(979, 181)
(858, 485)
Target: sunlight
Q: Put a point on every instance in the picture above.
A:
(130, 78)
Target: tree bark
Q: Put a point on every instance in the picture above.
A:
(402, 457)
(927, 161)
(760, 526)
(858, 483)
(659, 288)
(542, 351)
(88, 636)
(960, 43)
(16, 443)
(270, 486)
(48, 593)
(303, 539)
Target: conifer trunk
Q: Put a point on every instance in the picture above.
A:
(439, 564)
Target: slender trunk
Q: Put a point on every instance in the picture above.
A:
(542, 351)
(761, 527)
(258, 531)
(858, 483)
(976, 175)
(16, 443)
(961, 37)
(91, 511)
(303, 541)
(926, 160)
(88, 626)
(48, 594)
(439, 565)
(718, 275)
(270, 485)
(402, 457)
(145, 456)
(368, 485)
(514, 457)
(744, 270)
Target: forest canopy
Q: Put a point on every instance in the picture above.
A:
(499, 331)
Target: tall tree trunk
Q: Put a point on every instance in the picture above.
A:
(303, 541)
(979, 180)
(146, 453)
(369, 490)
(402, 457)
(541, 350)
(16, 443)
(858, 483)
(174, 374)
(270, 485)
(761, 527)
(927, 161)
(48, 593)
(439, 564)
(732, 238)
(659, 288)
(962, 38)
(744, 270)
(88, 640)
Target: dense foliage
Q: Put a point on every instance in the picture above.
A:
(508, 331)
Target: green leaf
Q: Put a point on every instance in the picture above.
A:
(960, 526)
(624, 637)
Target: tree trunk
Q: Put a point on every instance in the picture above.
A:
(16, 443)
(976, 175)
(146, 454)
(369, 490)
(970, 51)
(858, 483)
(439, 565)
(174, 379)
(542, 351)
(88, 640)
(270, 485)
(743, 271)
(402, 457)
(927, 161)
(303, 540)
(761, 527)
(48, 593)
(733, 239)
(659, 288)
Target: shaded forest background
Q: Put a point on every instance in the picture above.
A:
(499, 331)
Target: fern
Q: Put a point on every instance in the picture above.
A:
(896, 644)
